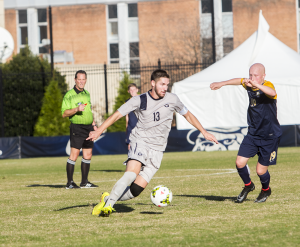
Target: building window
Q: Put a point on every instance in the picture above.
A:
(132, 10)
(134, 57)
(206, 29)
(114, 53)
(37, 29)
(42, 29)
(206, 6)
(24, 35)
(123, 47)
(112, 11)
(134, 50)
(226, 5)
(133, 36)
(113, 33)
(23, 16)
(22, 28)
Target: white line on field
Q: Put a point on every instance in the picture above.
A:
(205, 169)
(199, 175)
(227, 171)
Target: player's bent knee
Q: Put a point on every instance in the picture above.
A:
(136, 189)
(240, 162)
(261, 171)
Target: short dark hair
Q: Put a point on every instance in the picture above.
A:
(80, 72)
(159, 73)
(132, 85)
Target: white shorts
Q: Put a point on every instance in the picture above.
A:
(150, 159)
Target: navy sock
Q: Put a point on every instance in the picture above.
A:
(244, 174)
(265, 180)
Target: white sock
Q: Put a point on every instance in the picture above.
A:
(120, 187)
(127, 195)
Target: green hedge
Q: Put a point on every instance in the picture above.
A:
(25, 79)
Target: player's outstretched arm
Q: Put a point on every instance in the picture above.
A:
(108, 122)
(218, 85)
(194, 121)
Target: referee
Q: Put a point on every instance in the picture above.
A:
(77, 107)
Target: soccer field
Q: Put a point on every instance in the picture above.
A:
(37, 210)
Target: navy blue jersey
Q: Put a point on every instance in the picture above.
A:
(262, 113)
(132, 120)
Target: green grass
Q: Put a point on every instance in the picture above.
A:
(36, 210)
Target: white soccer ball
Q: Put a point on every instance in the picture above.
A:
(161, 196)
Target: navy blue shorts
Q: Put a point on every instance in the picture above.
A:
(265, 149)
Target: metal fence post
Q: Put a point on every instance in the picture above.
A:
(159, 64)
(43, 77)
(213, 36)
(1, 104)
(296, 136)
(20, 147)
(51, 40)
(105, 82)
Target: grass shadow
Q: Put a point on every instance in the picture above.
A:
(123, 208)
(76, 206)
(108, 170)
(46, 185)
(146, 212)
(211, 198)
(145, 204)
(120, 208)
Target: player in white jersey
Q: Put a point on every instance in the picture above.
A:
(148, 139)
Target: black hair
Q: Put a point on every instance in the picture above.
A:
(159, 73)
(80, 72)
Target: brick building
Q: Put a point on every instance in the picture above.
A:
(141, 31)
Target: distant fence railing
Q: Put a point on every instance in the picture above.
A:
(102, 83)
(103, 80)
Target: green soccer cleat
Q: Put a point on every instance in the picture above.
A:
(105, 212)
(97, 209)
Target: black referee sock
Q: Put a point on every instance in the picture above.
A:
(85, 168)
(70, 170)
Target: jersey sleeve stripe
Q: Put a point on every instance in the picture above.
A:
(183, 111)
(243, 84)
(143, 104)
(269, 84)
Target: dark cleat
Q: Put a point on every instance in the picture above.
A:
(72, 185)
(263, 195)
(88, 185)
(243, 195)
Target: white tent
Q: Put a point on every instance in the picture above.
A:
(227, 107)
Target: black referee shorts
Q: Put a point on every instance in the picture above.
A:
(78, 135)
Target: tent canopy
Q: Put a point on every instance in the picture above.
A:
(227, 107)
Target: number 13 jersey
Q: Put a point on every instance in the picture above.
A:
(154, 118)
